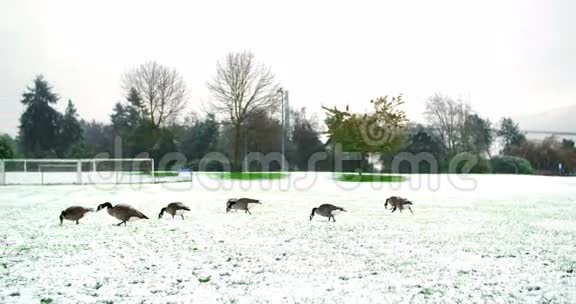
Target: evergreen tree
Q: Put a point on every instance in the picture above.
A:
(510, 135)
(39, 122)
(477, 135)
(6, 147)
(98, 138)
(305, 139)
(200, 138)
(136, 110)
(119, 118)
(420, 140)
(128, 122)
(70, 135)
(126, 117)
(165, 144)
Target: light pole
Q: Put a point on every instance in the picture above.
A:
(283, 96)
(246, 149)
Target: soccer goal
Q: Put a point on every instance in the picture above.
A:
(76, 171)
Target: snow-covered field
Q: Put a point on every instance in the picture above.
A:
(491, 239)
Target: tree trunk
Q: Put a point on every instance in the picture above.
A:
(236, 167)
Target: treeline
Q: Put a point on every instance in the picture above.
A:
(245, 116)
(454, 132)
(132, 132)
(151, 120)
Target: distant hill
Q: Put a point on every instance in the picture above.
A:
(559, 120)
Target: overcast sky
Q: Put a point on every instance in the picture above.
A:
(504, 56)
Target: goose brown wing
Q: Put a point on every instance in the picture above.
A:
(75, 212)
(178, 206)
(330, 207)
(124, 212)
(249, 200)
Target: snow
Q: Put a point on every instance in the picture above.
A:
(474, 239)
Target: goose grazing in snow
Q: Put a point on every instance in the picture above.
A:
(173, 209)
(326, 211)
(74, 213)
(240, 204)
(397, 202)
(122, 212)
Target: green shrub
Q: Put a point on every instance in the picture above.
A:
(368, 178)
(250, 175)
(511, 165)
(6, 149)
(469, 163)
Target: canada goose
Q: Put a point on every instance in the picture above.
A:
(391, 201)
(173, 209)
(397, 202)
(326, 210)
(122, 212)
(240, 204)
(74, 213)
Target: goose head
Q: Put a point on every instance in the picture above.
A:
(62, 215)
(161, 212)
(312, 214)
(102, 206)
(229, 204)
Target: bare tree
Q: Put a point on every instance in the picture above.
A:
(240, 88)
(448, 118)
(162, 91)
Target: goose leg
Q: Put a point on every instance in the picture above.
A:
(77, 222)
(124, 222)
(172, 216)
(410, 210)
(248, 211)
(394, 209)
(333, 219)
(182, 215)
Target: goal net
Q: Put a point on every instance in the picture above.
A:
(76, 171)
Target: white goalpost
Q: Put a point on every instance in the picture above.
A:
(76, 171)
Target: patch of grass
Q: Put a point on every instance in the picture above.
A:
(46, 301)
(250, 175)
(370, 178)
